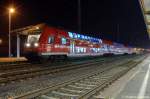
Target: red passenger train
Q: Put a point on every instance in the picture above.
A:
(50, 42)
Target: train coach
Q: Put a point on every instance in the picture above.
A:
(48, 42)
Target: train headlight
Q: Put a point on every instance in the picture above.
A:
(36, 44)
(28, 44)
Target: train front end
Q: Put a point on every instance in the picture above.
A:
(32, 44)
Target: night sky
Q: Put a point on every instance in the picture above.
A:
(117, 20)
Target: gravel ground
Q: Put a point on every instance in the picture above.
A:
(17, 88)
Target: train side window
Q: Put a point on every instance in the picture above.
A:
(50, 39)
(63, 40)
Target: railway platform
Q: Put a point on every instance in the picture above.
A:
(12, 59)
(134, 85)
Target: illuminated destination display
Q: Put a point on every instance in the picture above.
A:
(84, 37)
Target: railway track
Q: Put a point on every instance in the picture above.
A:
(16, 75)
(19, 65)
(14, 65)
(84, 86)
(31, 70)
(19, 91)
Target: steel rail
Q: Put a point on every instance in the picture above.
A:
(38, 92)
(23, 74)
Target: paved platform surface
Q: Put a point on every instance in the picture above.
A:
(134, 85)
(12, 59)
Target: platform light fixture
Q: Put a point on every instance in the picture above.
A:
(11, 10)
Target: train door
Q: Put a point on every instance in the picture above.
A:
(72, 46)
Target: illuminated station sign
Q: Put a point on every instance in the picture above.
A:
(84, 37)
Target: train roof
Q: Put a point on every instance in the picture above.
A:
(38, 27)
(32, 28)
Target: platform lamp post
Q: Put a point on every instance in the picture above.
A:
(11, 11)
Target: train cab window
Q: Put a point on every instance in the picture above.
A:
(33, 38)
(50, 39)
(63, 40)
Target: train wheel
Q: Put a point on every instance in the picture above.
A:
(52, 58)
(65, 58)
(43, 59)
